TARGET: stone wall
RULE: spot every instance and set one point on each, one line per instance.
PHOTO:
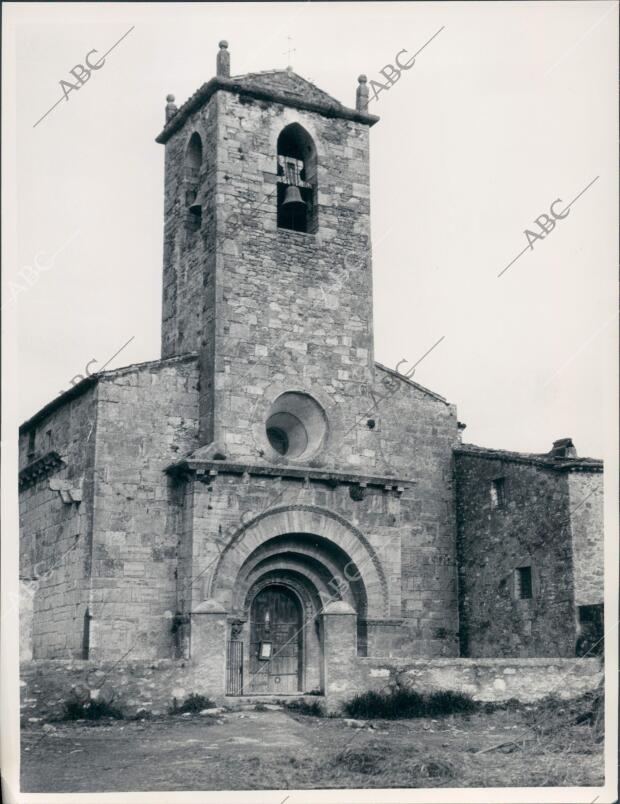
(148, 417)
(99, 530)
(134, 686)
(484, 679)
(532, 529)
(550, 520)
(56, 525)
(414, 435)
(151, 688)
(586, 503)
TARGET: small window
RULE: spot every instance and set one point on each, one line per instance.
(498, 495)
(31, 441)
(523, 583)
(86, 635)
(48, 439)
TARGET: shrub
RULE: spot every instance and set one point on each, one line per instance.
(302, 707)
(90, 710)
(405, 703)
(449, 703)
(193, 703)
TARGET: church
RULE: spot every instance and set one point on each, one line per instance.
(266, 503)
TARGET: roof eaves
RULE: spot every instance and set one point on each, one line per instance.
(543, 460)
(79, 388)
(411, 382)
(202, 95)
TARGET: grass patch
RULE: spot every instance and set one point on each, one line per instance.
(193, 703)
(405, 703)
(551, 713)
(431, 768)
(90, 710)
(369, 759)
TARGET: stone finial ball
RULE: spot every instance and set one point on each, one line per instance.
(362, 79)
(170, 98)
(223, 44)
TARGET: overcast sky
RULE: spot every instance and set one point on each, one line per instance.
(510, 107)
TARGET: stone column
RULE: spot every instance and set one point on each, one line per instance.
(339, 651)
(208, 643)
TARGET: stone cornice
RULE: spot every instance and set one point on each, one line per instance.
(202, 95)
(42, 467)
(206, 470)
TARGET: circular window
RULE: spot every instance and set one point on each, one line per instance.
(295, 425)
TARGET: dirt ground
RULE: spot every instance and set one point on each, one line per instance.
(253, 750)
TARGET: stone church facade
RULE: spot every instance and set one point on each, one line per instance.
(266, 501)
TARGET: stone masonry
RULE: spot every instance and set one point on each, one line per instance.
(267, 459)
(551, 520)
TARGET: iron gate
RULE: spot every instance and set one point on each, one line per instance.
(234, 673)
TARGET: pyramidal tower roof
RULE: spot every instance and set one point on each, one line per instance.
(277, 86)
(288, 83)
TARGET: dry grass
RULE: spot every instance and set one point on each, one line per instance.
(553, 744)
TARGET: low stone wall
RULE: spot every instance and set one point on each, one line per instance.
(152, 687)
(484, 679)
(134, 687)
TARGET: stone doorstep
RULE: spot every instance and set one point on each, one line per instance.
(237, 701)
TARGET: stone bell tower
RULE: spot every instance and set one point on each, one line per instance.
(267, 269)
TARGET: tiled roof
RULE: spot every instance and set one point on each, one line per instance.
(537, 459)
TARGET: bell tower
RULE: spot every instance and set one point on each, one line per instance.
(267, 264)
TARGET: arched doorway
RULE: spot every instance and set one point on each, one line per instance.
(276, 642)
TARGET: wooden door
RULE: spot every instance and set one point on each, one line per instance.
(275, 642)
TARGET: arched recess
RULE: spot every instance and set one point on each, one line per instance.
(191, 167)
(193, 156)
(297, 180)
(332, 541)
(309, 633)
(309, 557)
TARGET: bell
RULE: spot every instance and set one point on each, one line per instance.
(293, 199)
(195, 209)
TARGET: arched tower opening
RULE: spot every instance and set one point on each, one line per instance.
(192, 165)
(297, 180)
